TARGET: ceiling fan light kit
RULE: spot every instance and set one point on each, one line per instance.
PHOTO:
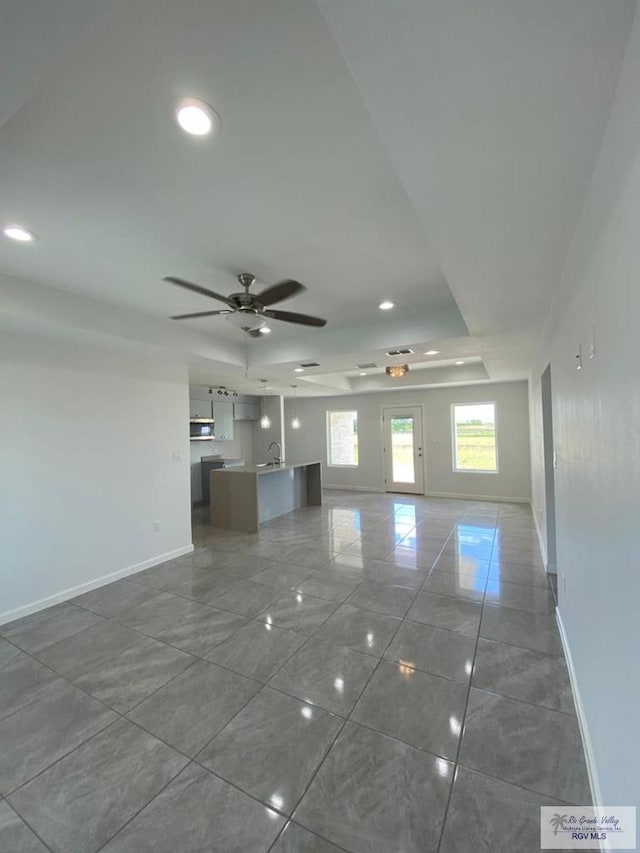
(248, 321)
(250, 311)
(396, 371)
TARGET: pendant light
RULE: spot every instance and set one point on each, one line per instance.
(295, 420)
(265, 420)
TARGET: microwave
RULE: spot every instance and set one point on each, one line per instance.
(201, 430)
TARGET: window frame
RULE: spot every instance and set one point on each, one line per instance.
(331, 464)
(454, 439)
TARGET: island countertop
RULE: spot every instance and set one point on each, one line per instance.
(243, 498)
(266, 469)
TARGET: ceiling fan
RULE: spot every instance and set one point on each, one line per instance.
(250, 311)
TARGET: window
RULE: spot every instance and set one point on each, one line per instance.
(342, 439)
(474, 438)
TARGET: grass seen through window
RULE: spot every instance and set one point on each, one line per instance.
(474, 437)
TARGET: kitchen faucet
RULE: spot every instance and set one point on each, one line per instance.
(276, 459)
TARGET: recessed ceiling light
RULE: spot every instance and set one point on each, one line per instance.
(298, 369)
(387, 305)
(196, 117)
(18, 233)
(432, 352)
(363, 373)
(265, 330)
(460, 362)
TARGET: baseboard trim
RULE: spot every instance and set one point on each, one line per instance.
(594, 783)
(333, 487)
(464, 497)
(71, 592)
(541, 541)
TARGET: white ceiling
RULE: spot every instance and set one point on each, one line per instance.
(432, 151)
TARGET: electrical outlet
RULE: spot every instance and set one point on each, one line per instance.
(156, 527)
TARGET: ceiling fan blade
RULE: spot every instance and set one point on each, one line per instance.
(200, 314)
(290, 317)
(255, 333)
(282, 290)
(197, 288)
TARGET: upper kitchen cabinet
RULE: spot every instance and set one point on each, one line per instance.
(199, 409)
(246, 411)
(223, 421)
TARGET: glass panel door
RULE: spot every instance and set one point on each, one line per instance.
(404, 462)
(402, 449)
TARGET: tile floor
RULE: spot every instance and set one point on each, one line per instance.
(379, 674)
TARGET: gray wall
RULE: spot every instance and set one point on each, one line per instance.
(596, 416)
(512, 482)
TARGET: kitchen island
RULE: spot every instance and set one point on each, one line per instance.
(243, 498)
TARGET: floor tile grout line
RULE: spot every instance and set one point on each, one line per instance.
(300, 826)
(340, 730)
(464, 721)
(62, 757)
(522, 701)
(26, 823)
(533, 791)
(147, 803)
(62, 678)
(462, 730)
(328, 752)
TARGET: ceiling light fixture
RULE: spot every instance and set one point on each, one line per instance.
(432, 352)
(396, 371)
(196, 117)
(363, 373)
(265, 420)
(248, 321)
(387, 305)
(295, 420)
(460, 362)
(265, 330)
(298, 369)
(18, 233)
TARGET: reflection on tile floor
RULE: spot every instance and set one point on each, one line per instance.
(382, 673)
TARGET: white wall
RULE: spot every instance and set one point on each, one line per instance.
(86, 461)
(511, 483)
(596, 415)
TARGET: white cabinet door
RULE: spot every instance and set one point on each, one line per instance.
(223, 421)
(246, 412)
(199, 409)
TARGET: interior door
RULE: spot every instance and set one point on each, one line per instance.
(403, 457)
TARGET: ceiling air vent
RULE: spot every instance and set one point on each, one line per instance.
(405, 351)
(368, 366)
(310, 364)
